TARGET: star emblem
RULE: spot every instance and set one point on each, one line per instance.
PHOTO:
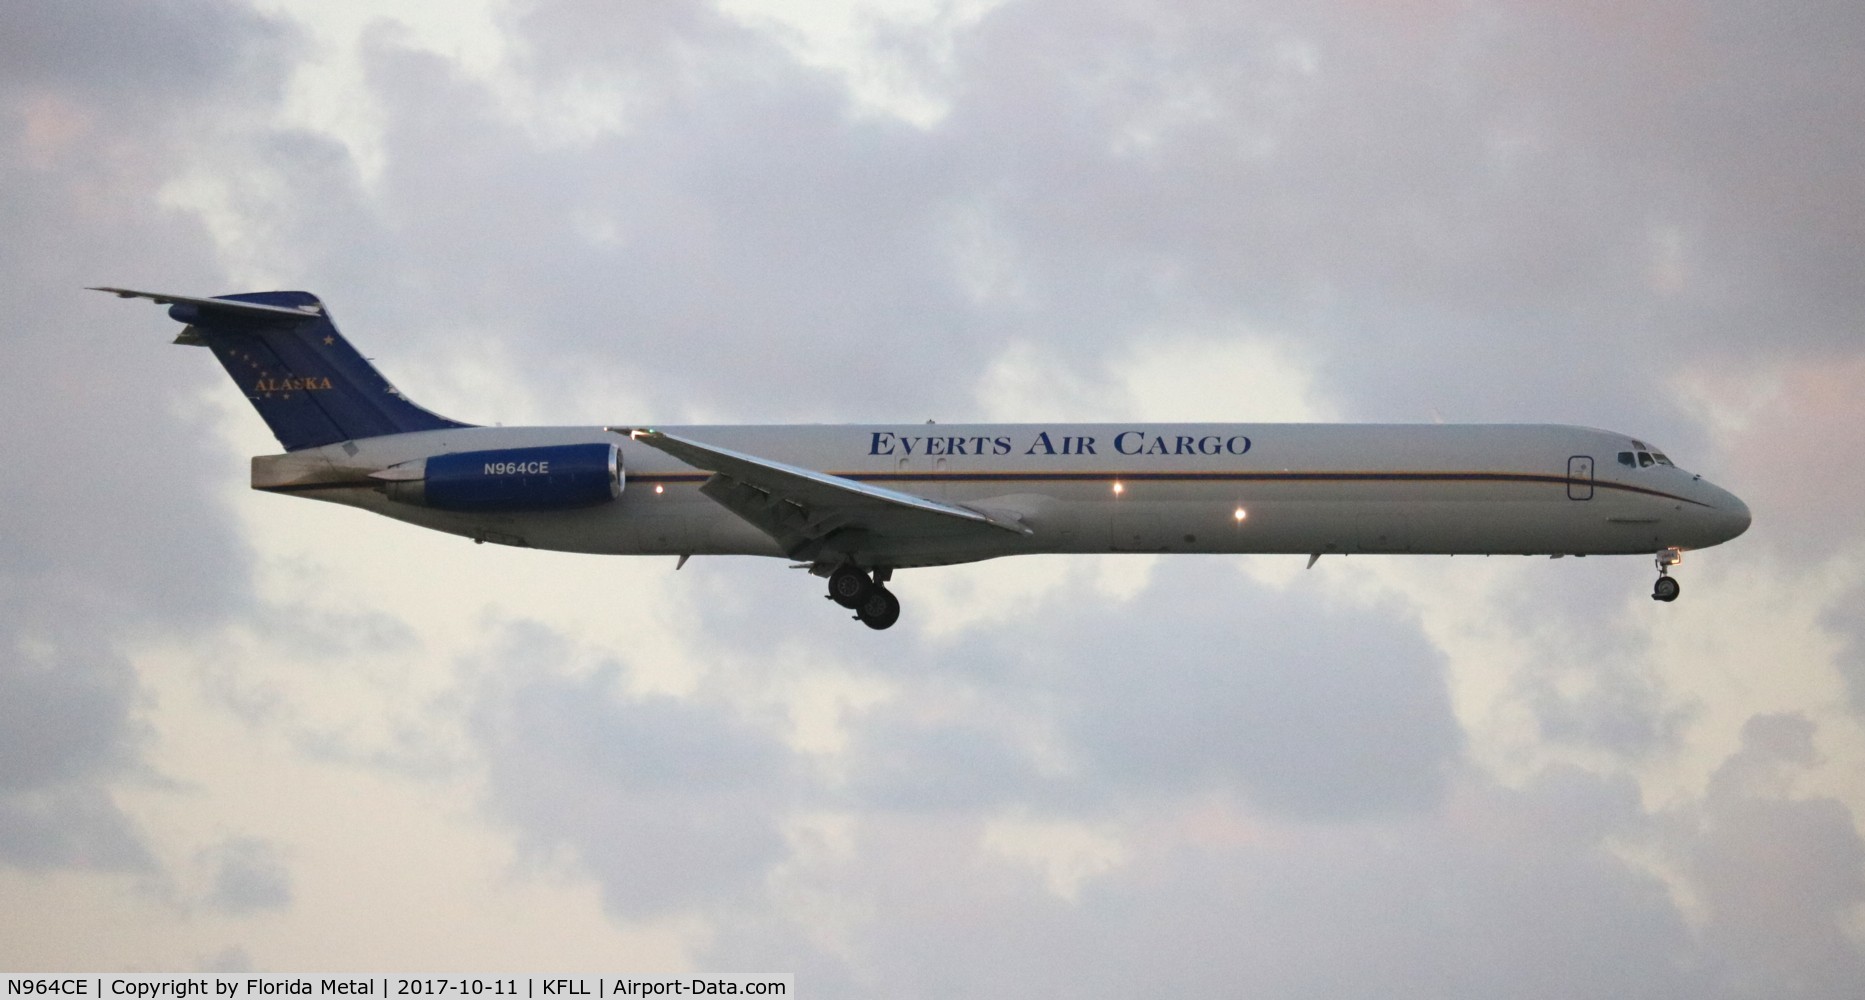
(329, 341)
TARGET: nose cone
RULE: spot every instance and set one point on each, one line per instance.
(1731, 514)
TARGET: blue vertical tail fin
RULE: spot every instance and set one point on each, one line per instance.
(307, 382)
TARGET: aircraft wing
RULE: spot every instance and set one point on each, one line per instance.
(802, 508)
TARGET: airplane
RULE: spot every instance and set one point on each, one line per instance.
(854, 503)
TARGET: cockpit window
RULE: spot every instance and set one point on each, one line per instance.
(1644, 459)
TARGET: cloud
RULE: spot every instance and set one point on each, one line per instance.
(666, 802)
(1536, 890)
(142, 55)
(67, 724)
(70, 827)
(1781, 874)
(1852, 659)
(66, 714)
(1304, 709)
(1497, 889)
(83, 149)
(248, 876)
(1311, 710)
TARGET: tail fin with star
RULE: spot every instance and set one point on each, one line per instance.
(307, 382)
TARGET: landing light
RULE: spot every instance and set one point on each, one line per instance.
(1240, 515)
(1119, 488)
(658, 488)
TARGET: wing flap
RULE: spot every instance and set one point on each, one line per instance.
(797, 531)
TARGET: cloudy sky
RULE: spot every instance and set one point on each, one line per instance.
(242, 731)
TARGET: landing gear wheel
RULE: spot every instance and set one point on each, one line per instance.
(849, 587)
(1666, 589)
(880, 610)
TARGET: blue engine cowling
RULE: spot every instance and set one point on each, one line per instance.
(558, 477)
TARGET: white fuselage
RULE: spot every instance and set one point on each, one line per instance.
(1214, 488)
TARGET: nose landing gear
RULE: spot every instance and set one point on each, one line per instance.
(1667, 589)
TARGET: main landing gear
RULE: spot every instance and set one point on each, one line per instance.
(1666, 589)
(874, 605)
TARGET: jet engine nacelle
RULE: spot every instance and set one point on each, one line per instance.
(560, 477)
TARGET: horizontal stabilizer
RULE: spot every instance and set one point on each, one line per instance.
(227, 307)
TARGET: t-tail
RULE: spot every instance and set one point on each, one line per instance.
(307, 382)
